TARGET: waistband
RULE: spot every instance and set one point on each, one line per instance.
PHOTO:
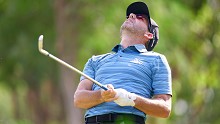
(115, 117)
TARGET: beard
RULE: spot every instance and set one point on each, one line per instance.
(132, 29)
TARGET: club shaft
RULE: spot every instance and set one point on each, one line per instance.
(74, 69)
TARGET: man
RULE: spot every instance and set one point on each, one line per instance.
(138, 80)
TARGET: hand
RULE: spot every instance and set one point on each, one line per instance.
(110, 94)
(124, 98)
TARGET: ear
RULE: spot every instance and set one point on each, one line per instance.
(148, 35)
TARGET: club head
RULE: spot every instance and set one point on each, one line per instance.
(40, 43)
(40, 46)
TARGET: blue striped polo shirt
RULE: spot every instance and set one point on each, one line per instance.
(134, 69)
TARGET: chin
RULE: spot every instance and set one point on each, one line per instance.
(127, 28)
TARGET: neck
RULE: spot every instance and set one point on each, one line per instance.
(129, 40)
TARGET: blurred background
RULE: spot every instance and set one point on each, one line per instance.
(35, 89)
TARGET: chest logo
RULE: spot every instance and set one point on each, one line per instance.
(137, 61)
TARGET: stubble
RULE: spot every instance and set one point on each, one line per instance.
(131, 28)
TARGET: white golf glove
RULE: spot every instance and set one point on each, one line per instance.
(125, 98)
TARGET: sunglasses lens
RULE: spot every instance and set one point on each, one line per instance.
(139, 17)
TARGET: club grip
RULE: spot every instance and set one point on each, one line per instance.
(104, 88)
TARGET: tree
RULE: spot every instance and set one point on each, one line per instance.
(67, 49)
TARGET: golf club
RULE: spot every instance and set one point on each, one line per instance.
(40, 48)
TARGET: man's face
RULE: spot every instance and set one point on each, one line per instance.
(135, 23)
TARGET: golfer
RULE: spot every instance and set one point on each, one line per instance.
(138, 79)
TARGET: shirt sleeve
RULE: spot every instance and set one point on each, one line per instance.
(88, 70)
(162, 82)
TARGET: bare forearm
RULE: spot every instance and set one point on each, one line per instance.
(87, 99)
(154, 107)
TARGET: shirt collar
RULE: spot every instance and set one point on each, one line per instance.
(139, 47)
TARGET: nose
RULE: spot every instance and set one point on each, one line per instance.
(132, 15)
